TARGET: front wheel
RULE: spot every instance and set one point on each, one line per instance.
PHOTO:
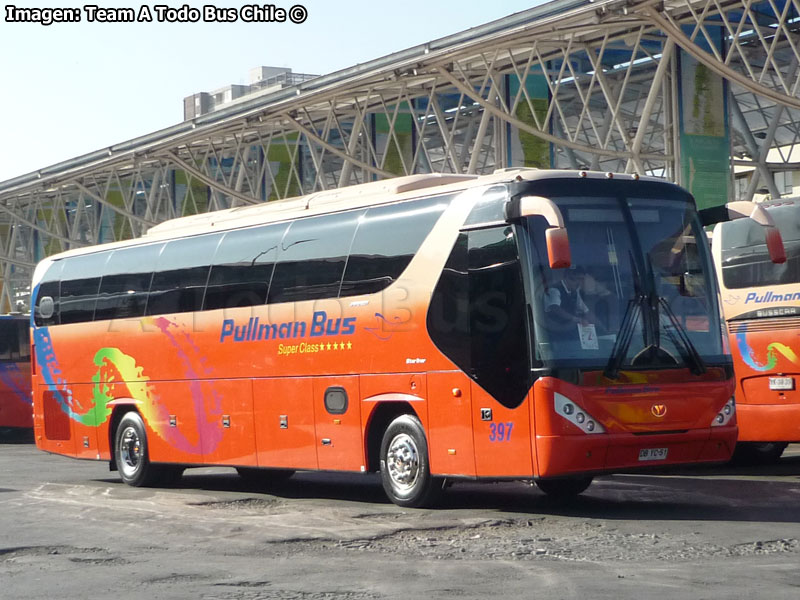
(130, 452)
(758, 453)
(564, 488)
(405, 470)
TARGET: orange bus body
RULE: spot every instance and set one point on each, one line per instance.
(314, 384)
(761, 304)
(16, 407)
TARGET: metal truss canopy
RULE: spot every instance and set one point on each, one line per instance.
(571, 83)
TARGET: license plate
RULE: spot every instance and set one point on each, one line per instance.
(653, 454)
(781, 383)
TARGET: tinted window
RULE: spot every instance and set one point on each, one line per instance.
(312, 257)
(477, 313)
(80, 281)
(179, 281)
(14, 343)
(386, 240)
(497, 316)
(243, 266)
(48, 288)
(126, 282)
(448, 314)
(490, 208)
(745, 259)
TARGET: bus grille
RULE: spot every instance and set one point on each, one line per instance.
(56, 421)
(764, 324)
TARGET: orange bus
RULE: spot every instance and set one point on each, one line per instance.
(761, 303)
(16, 410)
(525, 325)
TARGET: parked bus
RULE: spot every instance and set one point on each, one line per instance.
(16, 407)
(761, 303)
(532, 325)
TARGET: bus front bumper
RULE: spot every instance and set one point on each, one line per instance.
(557, 456)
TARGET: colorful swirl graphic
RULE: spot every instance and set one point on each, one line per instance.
(119, 376)
(773, 350)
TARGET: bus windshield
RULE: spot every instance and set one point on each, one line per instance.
(640, 293)
(745, 260)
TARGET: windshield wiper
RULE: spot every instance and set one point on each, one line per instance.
(628, 325)
(623, 341)
(686, 348)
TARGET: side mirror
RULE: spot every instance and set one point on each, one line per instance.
(46, 307)
(558, 253)
(772, 236)
(558, 247)
(777, 253)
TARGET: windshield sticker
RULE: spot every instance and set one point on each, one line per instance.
(588, 337)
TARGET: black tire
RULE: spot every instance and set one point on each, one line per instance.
(405, 468)
(564, 488)
(758, 453)
(257, 476)
(131, 453)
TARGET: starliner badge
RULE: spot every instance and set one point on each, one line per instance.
(658, 410)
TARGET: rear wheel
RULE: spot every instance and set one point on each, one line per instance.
(131, 453)
(405, 470)
(758, 453)
(564, 487)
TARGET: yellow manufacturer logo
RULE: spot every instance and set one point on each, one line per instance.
(658, 410)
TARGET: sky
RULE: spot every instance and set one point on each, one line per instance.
(71, 88)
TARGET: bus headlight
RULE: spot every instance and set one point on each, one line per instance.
(726, 414)
(576, 415)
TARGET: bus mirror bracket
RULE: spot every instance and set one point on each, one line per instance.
(558, 252)
(756, 212)
(46, 307)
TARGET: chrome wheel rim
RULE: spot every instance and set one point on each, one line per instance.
(402, 462)
(130, 451)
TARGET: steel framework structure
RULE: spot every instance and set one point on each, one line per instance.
(572, 83)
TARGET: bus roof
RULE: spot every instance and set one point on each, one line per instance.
(387, 191)
(781, 202)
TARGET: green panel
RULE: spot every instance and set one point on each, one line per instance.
(195, 200)
(705, 142)
(706, 168)
(402, 124)
(282, 154)
(526, 149)
(535, 150)
(398, 147)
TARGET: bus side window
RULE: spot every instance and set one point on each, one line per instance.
(179, 281)
(49, 288)
(386, 240)
(9, 342)
(448, 314)
(80, 282)
(126, 282)
(477, 313)
(242, 267)
(23, 337)
(497, 315)
(312, 257)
